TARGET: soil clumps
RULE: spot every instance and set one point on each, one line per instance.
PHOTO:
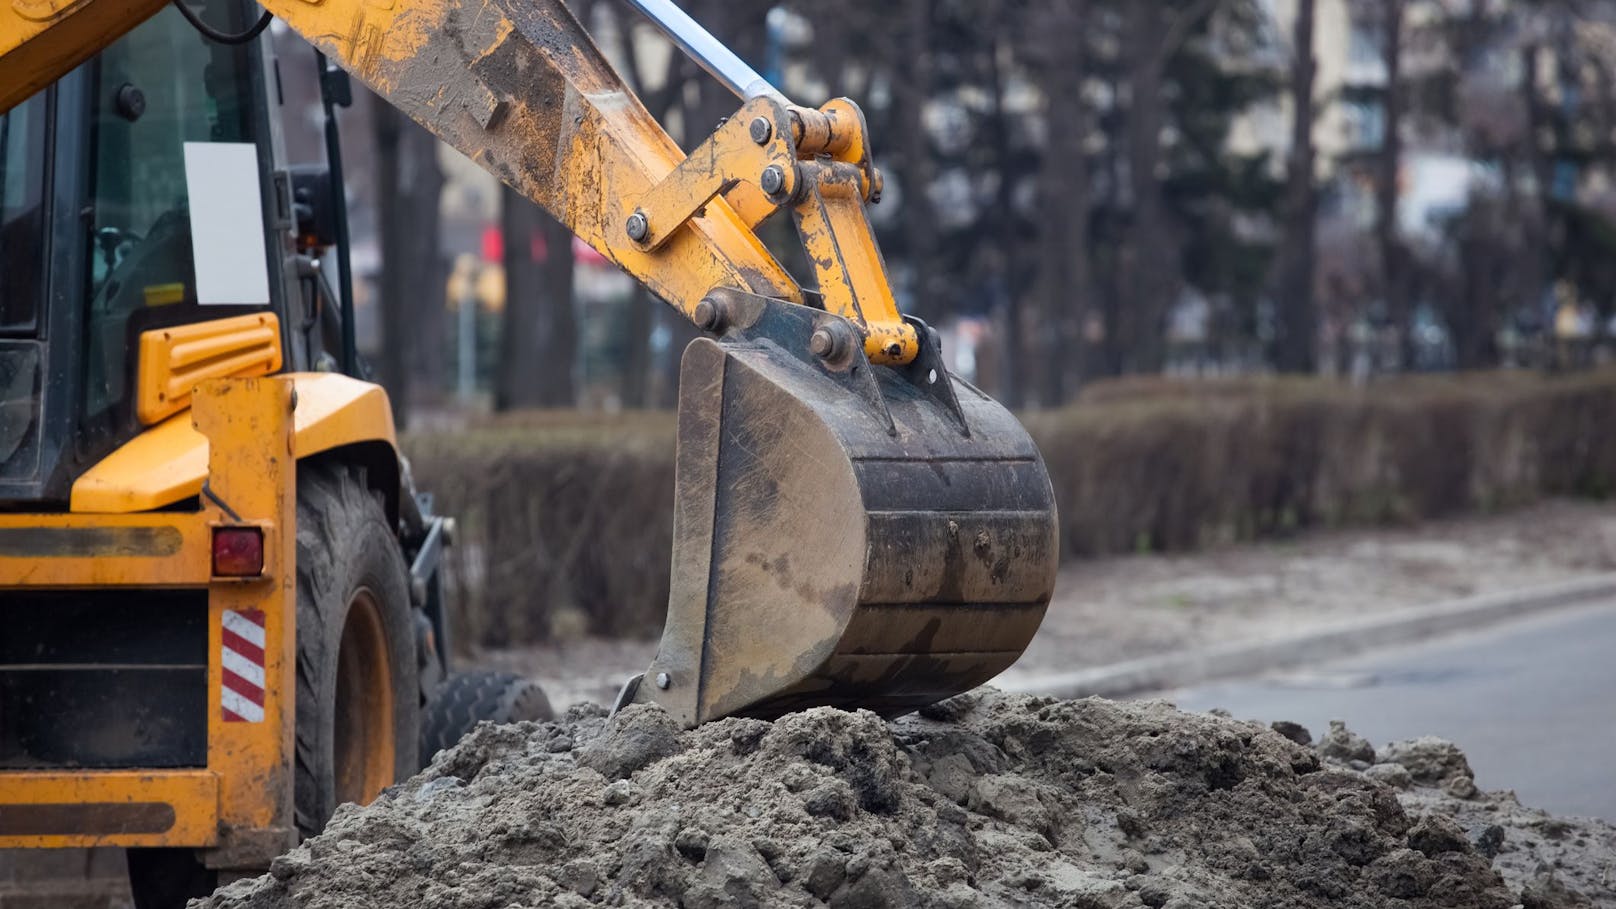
(984, 800)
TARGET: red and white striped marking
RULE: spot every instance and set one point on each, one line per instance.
(241, 693)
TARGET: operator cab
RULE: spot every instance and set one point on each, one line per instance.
(142, 191)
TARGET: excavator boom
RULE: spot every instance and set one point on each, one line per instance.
(854, 526)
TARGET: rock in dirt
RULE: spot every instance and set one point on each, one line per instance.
(637, 737)
(1344, 745)
(1552, 862)
(988, 800)
(1428, 759)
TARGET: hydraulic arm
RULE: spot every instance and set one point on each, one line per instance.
(853, 525)
(521, 89)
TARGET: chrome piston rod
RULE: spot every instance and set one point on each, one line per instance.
(706, 50)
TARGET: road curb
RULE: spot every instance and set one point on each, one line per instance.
(1177, 670)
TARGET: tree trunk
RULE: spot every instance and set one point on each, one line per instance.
(1004, 230)
(555, 290)
(1393, 259)
(1298, 339)
(1063, 180)
(412, 277)
(911, 89)
(1150, 253)
(539, 337)
(523, 335)
(638, 321)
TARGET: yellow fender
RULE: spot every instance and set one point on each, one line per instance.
(168, 462)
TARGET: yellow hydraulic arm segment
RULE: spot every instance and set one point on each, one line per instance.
(520, 88)
(853, 525)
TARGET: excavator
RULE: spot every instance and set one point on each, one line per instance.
(219, 586)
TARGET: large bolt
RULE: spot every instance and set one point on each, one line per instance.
(638, 227)
(663, 680)
(773, 179)
(830, 341)
(709, 315)
(823, 343)
(761, 129)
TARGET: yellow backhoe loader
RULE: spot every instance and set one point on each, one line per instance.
(219, 609)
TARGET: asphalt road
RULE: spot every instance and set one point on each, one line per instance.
(1532, 703)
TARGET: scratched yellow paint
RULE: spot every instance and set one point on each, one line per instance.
(247, 784)
(582, 147)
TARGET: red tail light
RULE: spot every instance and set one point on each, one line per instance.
(238, 552)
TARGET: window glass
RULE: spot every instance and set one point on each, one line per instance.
(22, 216)
(159, 87)
(22, 269)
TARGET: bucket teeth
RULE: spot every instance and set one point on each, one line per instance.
(844, 535)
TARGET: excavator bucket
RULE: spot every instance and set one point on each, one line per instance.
(844, 534)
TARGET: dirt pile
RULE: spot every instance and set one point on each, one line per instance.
(985, 800)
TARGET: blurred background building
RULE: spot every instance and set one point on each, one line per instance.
(1075, 189)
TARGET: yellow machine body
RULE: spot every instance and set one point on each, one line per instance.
(238, 803)
(854, 526)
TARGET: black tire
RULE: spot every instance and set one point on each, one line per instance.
(467, 698)
(167, 878)
(353, 604)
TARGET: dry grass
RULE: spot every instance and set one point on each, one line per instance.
(566, 518)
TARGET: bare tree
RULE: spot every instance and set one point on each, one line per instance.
(410, 285)
(912, 66)
(1149, 267)
(1394, 260)
(538, 349)
(1003, 223)
(1062, 288)
(518, 377)
(1298, 314)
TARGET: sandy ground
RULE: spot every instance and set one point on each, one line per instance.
(1108, 610)
(983, 801)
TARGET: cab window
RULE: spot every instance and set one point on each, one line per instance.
(161, 86)
(22, 216)
(22, 270)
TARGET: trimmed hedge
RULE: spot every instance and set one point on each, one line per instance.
(566, 525)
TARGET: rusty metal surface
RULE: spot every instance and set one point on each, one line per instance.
(521, 89)
(842, 536)
(40, 40)
(728, 158)
(86, 818)
(67, 550)
(89, 542)
(247, 783)
(191, 798)
(251, 466)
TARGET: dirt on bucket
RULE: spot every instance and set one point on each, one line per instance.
(985, 800)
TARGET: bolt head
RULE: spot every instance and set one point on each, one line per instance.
(761, 130)
(822, 343)
(773, 179)
(663, 680)
(638, 227)
(708, 315)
